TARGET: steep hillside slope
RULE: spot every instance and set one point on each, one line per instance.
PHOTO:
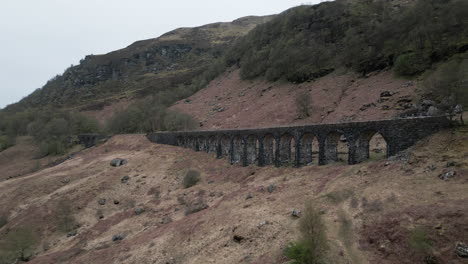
(230, 102)
(145, 67)
(370, 209)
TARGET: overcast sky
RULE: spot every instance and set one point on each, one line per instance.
(40, 38)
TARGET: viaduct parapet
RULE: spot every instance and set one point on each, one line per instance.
(293, 145)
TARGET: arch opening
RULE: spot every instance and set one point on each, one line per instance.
(371, 145)
(251, 150)
(212, 144)
(269, 149)
(224, 147)
(237, 150)
(306, 149)
(286, 150)
(336, 148)
(180, 141)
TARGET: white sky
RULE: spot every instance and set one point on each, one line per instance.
(40, 38)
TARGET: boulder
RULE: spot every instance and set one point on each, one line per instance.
(118, 162)
(386, 94)
(462, 250)
(124, 179)
(139, 210)
(102, 201)
(447, 175)
(433, 111)
(271, 188)
(296, 213)
(118, 237)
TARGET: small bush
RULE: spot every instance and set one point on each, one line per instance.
(313, 244)
(419, 240)
(195, 207)
(191, 178)
(339, 196)
(19, 244)
(411, 64)
(3, 220)
(6, 142)
(66, 222)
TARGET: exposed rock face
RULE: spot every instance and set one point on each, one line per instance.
(145, 65)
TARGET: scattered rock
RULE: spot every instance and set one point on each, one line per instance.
(408, 84)
(219, 109)
(165, 220)
(249, 196)
(447, 175)
(364, 107)
(450, 164)
(386, 94)
(434, 111)
(296, 213)
(66, 181)
(118, 162)
(125, 179)
(431, 167)
(263, 223)
(72, 233)
(139, 210)
(430, 260)
(102, 201)
(118, 237)
(271, 188)
(462, 250)
(238, 239)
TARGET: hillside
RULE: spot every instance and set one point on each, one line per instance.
(370, 209)
(143, 68)
(333, 62)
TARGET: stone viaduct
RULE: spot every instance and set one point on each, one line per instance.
(293, 145)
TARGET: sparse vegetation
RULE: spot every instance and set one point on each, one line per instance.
(18, 244)
(313, 244)
(150, 115)
(3, 220)
(195, 207)
(52, 129)
(303, 104)
(449, 79)
(66, 222)
(191, 178)
(337, 197)
(419, 240)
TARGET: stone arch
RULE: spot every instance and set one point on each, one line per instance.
(286, 149)
(306, 148)
(201, 143)
(191, 143)
(180, 141)
(224, 146)
(237, 151)
(371, 144)
(251, 149)
(212, 144)
(336, 147)
(269, 149)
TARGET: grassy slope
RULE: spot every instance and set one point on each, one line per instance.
(369, 208)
